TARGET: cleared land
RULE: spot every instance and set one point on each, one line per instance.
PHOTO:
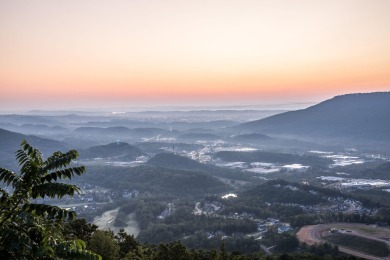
(366, 241)
(107, 219)
(362, 244)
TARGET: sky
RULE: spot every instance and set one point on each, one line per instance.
(94, 53)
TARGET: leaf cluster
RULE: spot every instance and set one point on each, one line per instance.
(32, 230)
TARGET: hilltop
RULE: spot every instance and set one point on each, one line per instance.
(10, 142)
(119, 150)
(355, 118)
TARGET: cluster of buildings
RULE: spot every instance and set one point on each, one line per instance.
(211, 208)
(350, 206)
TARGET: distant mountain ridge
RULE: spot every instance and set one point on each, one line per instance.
(251, 137)
(355, 117)
(119, 150)
(198, 136)
(10, 143)
(121, 131)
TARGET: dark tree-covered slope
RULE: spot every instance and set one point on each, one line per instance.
(356, 117)
(119, 150)
(178, 162)
(157, 181)
(9, 140)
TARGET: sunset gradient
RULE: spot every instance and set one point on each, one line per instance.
(131, 52)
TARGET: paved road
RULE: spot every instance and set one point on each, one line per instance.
(312, 235)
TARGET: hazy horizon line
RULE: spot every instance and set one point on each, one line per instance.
(165, 108)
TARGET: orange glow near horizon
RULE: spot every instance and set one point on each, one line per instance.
(174, 51)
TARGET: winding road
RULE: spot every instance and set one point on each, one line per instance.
(312, 234)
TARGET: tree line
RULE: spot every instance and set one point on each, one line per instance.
(30, 230)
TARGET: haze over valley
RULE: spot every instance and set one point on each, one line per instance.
(195, 130)
(146, 169)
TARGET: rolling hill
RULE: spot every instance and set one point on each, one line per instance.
(156, 181)
(357, 118)
(158, 147)
(182, 163)
(10, 143)
(120, 151)
(121, 131)
(251, 137)
(118, 130)
(174, 161)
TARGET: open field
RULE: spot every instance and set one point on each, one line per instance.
(366, 241)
